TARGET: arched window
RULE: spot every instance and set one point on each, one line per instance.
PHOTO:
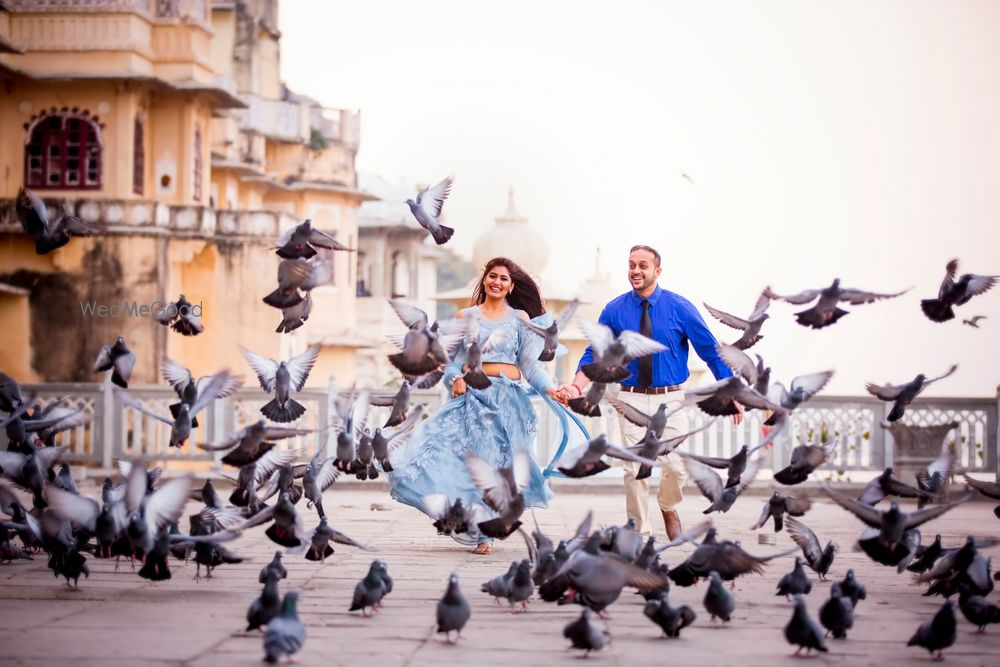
(197, 163)
(138, 157)
(400, 275)
(63, 152)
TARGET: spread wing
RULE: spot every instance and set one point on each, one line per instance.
(321, 239)
(803, 536)
(177, 376)
(636, 345)
(739, 362)
(432, 199)
(797, 299)
(566, 316)
(726, 318)
(763, 302)
(708, 481)
(812, 383)
(264, 367)
(857, 297)
(599, 336)
(299, 366)
(632, 414)
(866, 513)
(213, 390)
(136, 404)
(166, 504)
(489, 480)
(941, 377)
(949, 278)
(887, 392)
(979, 284)
(411, 316)
(495, 340)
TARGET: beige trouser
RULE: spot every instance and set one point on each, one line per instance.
(673, 474)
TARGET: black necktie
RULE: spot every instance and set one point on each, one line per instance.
(646, 363)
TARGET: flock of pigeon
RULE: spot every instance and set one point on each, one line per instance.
(138, 516)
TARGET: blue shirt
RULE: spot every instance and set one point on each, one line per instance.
(675, 322)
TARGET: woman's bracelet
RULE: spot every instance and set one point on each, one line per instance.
(579, 390)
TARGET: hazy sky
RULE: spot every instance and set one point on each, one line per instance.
(822, 139)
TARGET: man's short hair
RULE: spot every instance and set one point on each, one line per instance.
(647, 249)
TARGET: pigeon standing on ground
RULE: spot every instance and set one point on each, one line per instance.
(276, 566)
(285, 634)
(750, 326)
(837, 613)
(938, 633)
(901, 395)
(182, 316)
(586, 634)
(802, 631)
(777, 506)
(550, 334)
(453, 610)
(852, 588)
(118, 359)
(427, 210)
(719, 603)
(795, 582)
(499, 586)
(670, 619)
(34, 218)
(825, 311)
(521, 587)
(301, 241)
(819, 558)
(368, 592)
(977, 609)
(281, 379)
(268, 605)
(955, 293)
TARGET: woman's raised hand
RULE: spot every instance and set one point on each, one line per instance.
(458, 387)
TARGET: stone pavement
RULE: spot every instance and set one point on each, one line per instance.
(119, 619)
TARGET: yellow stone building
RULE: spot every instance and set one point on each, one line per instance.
(167, 124)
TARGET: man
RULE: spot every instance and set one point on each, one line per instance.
(673, 321)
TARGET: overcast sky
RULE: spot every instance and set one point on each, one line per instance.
(822, 139)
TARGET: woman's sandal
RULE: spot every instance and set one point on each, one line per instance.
(483, 549)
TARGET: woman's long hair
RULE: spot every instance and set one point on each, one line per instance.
(525, 296)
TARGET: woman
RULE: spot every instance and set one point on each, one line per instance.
(491, 423)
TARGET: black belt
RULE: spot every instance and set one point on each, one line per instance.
(651, 390)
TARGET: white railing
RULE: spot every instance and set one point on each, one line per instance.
(287, 121)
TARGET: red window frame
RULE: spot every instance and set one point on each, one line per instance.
(63, 152)
(138, 157)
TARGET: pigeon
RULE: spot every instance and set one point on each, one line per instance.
(425, 348)
(934, 477)
(281, 379)
(988, 489)
(182, 316)
(368, 592)
(795, 582)
(319, 476)
(777, 506)
(710, 484)
(802, 631)
(719, 603)
(938, 633)
(550, 334)
(520, 586)
(734, 465)
(901, 395)
(250, 443)
(804, 460)
(297, 278)
(721, 398)
(654, 423)
(427, 210)
(449, 518)
(589, 404)
(885, 485)
(587, 459)
(69, 565)
(268, 605)
(34, 218)
(899, 554)
(750, 326)
(627, 541)
(474, 375)
(670, 619)
(802, 389)
(105, 521)
(453, 610)
(10, 393)
(187, 388)
(400, 400)
(351, 412)
(387, 440)
(276, 566)
(927, 556)
(152, 513)
(301, 241)
(586, 634)
(285, 633)
(964, 564)
(30, 471)
(891, 523)
(725, 557)
(819, 559)
(955, 293)
(837, 613)
(293, 317)
(825, 311)
(977, 609)
(499, 586)
(650, 448)
(502, 492)
(180, 426)
(53, 420)
(316, 542)
(259, 480)
(118, 359)
(853, 589)
(613, 353)
(974, 322)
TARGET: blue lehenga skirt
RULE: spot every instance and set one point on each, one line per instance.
(491, 423)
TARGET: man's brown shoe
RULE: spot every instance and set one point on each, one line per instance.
(672, 523)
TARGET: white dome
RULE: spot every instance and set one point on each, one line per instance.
(511, 237)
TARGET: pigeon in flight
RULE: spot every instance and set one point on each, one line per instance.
(589, 405)
(974, 322)
(710, 484)
(282, 378)
(988, 489)
(298, 277)
(183, 382)
(250, 443)
(502, 491)
(118, 359)
(34, 219)
(427, 210)
(586, 460)
(886, 485)
(777, 506)
(550, 334)
(818, 558)
(720, 398)
(901, 395)
(613, 353)
(803, 388)
(825, 311)
(804, 460)
(295, 316)
(448, 517)
(750, 326)
(301, 241)
(654, 423)
(955, 293)
(181, 316)
(425, 348)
